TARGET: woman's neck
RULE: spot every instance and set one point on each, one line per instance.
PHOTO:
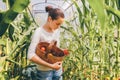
(47, 28)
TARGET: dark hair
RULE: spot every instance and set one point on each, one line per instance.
(54, 13)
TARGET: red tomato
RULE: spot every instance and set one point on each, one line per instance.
(43, 48)
(65, 51)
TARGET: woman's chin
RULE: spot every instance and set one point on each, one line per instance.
(53, 30)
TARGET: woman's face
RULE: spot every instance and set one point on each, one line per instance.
(55, 24)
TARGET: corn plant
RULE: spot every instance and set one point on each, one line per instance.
(15, 32)
(93, 41)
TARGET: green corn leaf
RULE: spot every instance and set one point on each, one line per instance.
(4, 0)
(27, 19)
(118, 4)
(11, 14)
(20, 5)
(11, 2)
(2, 42)
(3, 28)
(11, 31)
(97, 5)
(113, 11)
(78, 9)
(2, 15)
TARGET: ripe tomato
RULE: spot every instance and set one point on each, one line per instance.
(65, 51)
(43, 48)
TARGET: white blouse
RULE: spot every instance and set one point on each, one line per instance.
(40, 35)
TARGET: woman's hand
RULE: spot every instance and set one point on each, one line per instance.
(57, 65)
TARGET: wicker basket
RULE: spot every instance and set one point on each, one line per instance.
(50, 55)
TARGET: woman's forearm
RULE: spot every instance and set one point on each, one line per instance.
(39, 61)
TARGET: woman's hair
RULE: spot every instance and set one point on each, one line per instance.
(54, 13)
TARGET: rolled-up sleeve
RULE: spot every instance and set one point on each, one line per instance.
(34, 41)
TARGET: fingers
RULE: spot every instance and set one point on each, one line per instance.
(57, 65)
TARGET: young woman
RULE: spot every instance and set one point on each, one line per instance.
(47, 33)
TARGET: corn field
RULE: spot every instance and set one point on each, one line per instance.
(92, 37)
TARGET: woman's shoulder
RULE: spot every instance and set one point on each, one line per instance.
(38, 29)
